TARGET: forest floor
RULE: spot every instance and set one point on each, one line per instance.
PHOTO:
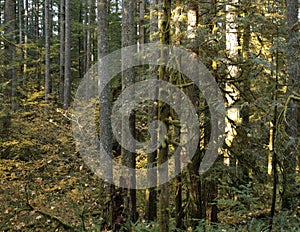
(61, 194)
(45, 185)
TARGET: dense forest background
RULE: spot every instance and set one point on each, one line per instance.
(251, 48)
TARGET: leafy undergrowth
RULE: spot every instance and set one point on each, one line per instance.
(49, 194)
(59, 193)
(44, 182)
(45, 185)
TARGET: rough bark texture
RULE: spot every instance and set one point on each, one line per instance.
(163, 113)
(105, 102)
(128, 78)
(179, 214)
(151, 194)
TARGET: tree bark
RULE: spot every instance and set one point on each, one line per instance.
(231, 91)
(25, 36)
(128, 79)
(67, 73)
(163, 113)
(105, 101)
(20, 14)
(9, 28)
(62, 50)
(178, 180)
(151, 193)
(102, 25)
(47, 55)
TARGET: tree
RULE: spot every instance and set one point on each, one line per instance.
(9, 17)
(47, 55)
(88, 37)
(178, 179)
(128, 158)
(232, 55)
(105, 101)
(67, 60)
(196, 190)
(62, 50)
(163, 113)
(20, 19)
(151, 205)
(289, 163)
(25, 35)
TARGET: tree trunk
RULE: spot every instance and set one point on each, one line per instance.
(128, 78)
(35, 15)
(80, 42)
(231, 91)
(151, 205)
(20, 12)
(47, 55)
(289, 163)
(25, 36)
(178, 180)
(88, 38)
(245, 112)
(62, 51)
(67, 76)
(272, 143)
(9, 20)
(197, 192)
(163, 113)
(105, 101)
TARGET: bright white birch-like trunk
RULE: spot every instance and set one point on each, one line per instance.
(232, 55)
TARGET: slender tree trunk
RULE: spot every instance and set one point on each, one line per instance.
(128, 78)
(105, 101)
(20, 14)
(25, 36)
(67, 75)
(9, 19)
(36, 20)
(163, 113)
(80, 42)
(214, 175)
(62, 51)
(151, 195)
(178, 180)
(88, 38)
(245, 111)
(289, 163)
(196, 189)
(272, 145)
(47, 55)
(231, 91)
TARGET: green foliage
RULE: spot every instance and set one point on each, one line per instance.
(45, 185)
